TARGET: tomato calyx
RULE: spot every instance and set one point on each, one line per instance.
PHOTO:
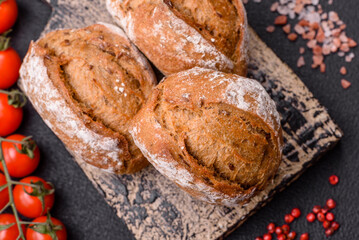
(48, 228)
(39, 191)
(16, 98)
(4, 227)
(4, 40)
(27, 147)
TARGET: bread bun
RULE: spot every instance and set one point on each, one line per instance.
(87, 84)
(177, 35)
(216, 135)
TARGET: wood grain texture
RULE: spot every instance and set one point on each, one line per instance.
(155, 208)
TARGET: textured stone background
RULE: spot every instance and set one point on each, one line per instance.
(87, 216)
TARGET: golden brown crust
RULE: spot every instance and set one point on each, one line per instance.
(98, 81)
(177, 35)
(216, 135)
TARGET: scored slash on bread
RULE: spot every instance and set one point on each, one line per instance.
(177, 35)
(87, 84)
(216, 135)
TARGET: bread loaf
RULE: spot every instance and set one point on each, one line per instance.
(177, 35)
(216, 135)
(87, 84)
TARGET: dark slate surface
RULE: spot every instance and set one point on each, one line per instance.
(86, 214)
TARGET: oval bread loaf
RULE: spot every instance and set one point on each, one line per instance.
(87, 84)
(216, 135)
(177, 35)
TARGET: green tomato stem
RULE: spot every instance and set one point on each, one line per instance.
(6, 206)
(24, 184)
(11, 197)
(29, 223)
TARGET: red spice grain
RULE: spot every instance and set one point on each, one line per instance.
(300, 62)
(316, 209)
(292, 235)
(345, 84)
(281, 20)
(343, 70)
(267, 236)
(352, 43)
(292, 37)
(271, 228)
(296, 212)
(330, 216)
(321, 217)
(285, 229)
(281, 237)
(325, 209)
(270, 29)
(335, 226)
(278, 230)
(288, 218)
(317, 50)
(322, 67)
(333, 179)
(329, 232)
(311, 217)
(331, 203)
(326, 224)
(286, 28)
(258, 238)
(304, 236)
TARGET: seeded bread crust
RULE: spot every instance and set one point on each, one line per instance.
(87, 84)
(216, 135)
(177, 35)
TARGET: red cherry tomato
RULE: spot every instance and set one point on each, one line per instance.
(10, 117)
(33, 235)
(4, 194)
(18, 164)
(31, 206)
(8, 15)
(10, 63)
(11, 233)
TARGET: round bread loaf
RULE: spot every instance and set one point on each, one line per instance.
(87, 84)
(177, 35)
(216, 135)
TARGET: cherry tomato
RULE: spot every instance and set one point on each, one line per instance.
(10, 117)
(33, 235)
(4, 194)
(11, 233)
(8, 14)
(19, 164)
(10, 63)
(31, 206)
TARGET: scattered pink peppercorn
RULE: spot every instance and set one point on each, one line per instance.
(311, 217)
(329, 216)
(288, 218)
(321, 217)
(271, 227)
(259, 238)
(304, 236)
(333, 180)
(329, 232)
(326, 224)
(316, 209)
(278, 230)
(335, 226)
(292, 235)
(281, 237)
(267, 236)
(285, 229)
(331, 203)
(325, 210)
(296, 212)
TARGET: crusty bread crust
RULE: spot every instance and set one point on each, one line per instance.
(176, 131)
(172, 42)
(84, 136)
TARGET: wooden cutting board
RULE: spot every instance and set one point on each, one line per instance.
(153, 207)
